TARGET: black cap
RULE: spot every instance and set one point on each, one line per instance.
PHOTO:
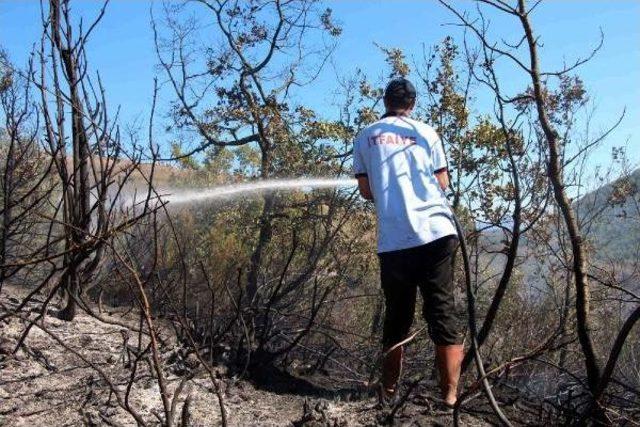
(400, 90)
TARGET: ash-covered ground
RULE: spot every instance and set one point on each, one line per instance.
(65, 374)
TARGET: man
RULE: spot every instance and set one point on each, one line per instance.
(400, 165)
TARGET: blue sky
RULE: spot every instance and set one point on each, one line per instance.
(122, 49)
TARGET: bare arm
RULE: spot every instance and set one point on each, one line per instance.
(443, 179)
(363, 186)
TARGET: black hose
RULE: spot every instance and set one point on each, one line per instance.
(471, 310)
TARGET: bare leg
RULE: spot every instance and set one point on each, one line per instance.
(391, 369)
(449, 359)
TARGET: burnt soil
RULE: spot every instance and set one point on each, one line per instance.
(46, 384)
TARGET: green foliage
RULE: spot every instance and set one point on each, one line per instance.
(6, 72)
(247, 161)
(447, 111)
(328, 24)
(187, 162)
(396, 61)
(218, 160)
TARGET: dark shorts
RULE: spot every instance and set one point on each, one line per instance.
(428, 268)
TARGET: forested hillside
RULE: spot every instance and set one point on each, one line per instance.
(616, 230)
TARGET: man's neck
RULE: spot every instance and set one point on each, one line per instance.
(400, 113)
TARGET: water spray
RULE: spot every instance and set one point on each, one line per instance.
(232, 191)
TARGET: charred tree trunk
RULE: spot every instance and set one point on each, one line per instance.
(79, 203)
(7, 191)
(264, 236)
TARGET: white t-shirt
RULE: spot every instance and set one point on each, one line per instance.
(400, 157)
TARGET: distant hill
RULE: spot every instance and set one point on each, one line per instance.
(615, 233)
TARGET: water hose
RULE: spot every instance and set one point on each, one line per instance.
(471, 313)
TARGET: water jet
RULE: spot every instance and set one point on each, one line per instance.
(231, 191)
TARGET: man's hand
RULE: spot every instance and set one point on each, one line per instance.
(363, 186)
(443, 179)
